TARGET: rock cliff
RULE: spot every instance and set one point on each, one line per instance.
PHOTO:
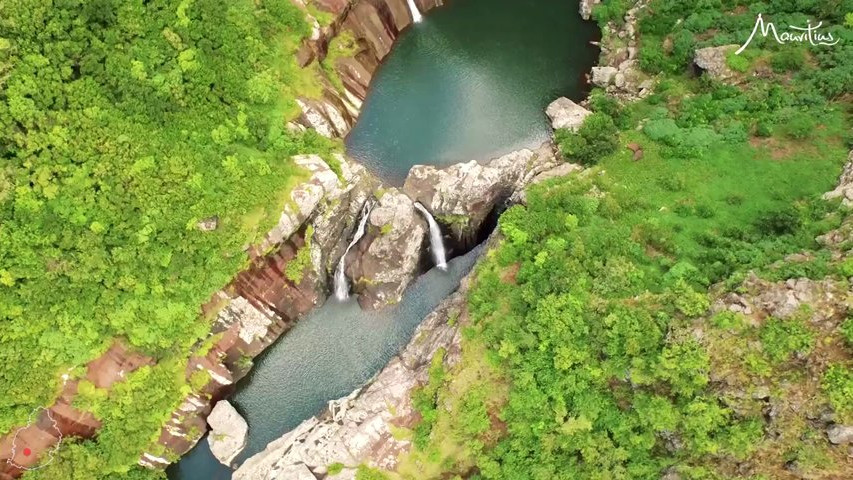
(358, 428)
(370, 28)
(288, 277)
(462, 196)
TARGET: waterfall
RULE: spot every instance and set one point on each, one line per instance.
(416, 14)
(435, 241)
(341, 284)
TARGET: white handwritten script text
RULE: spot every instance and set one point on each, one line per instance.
(809, 34)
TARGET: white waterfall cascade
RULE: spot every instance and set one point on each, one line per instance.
(435, 241)
(341, 284)
(416, 14)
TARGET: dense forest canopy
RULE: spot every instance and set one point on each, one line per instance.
(122, 125)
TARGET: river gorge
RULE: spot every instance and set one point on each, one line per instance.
(469, 81)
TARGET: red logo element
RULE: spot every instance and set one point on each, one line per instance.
(27, 451)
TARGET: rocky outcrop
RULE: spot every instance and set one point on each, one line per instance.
(840, 434)
(358, 428)
(844, 191)
(463, 195)
(389, 255)
(712, 61)
(617, 71)
(585, 8)
(567, 114)
(228, 431)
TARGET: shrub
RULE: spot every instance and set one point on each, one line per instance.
(764, 128)
(596, 138)
(782, 338)
(838, 385)
(738, 63)
(799, 126)
(847, 331)
(610, 11)
(788, 59)
(780, 222)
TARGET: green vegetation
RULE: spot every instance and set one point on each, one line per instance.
(296, 268)
(122, 125)
(596, 137)
(783, 338)
(335, 468)
(591, 325)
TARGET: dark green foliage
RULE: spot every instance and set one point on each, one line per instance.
(788, 59)
(595, 138)
(847, 331)
(780, 222)
(783, 338)
(838, 385)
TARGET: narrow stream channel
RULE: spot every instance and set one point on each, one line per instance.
(330, 353)
(471, 81)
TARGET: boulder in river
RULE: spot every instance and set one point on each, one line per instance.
(228, 432)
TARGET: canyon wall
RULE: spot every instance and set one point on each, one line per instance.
(287, 278)
(370, 28)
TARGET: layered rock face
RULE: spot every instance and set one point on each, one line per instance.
(388, 257)
(463, 195)
(267, 299)
(373, 25)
